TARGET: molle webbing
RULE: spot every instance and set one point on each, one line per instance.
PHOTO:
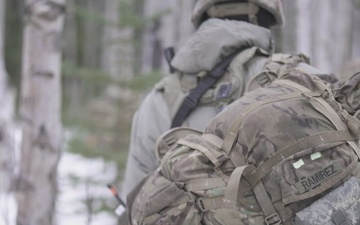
(232, 134)
(235, 190)
(253, 176)
(324, 108)
(276, 66)
(312, 141)
(192, 100)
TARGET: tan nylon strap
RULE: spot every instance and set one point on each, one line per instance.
(204, 184)
(205, 204)
(180, 201)
(331, 114)
(320, 86)
(323, 107)
(212, 155)
(355, 148)
(353, 122)
(275, 67)
(232, 134)
(236, 158)
(265, 203)
(308, 142)
(356, 171)
(235, 189)
(213, 139)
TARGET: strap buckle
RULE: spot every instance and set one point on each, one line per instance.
(273, 219)
(200, 205)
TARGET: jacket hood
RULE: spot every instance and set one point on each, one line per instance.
(217, 38)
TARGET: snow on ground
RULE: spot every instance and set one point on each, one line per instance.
(8, 205)
(8, 209)
(80, 178)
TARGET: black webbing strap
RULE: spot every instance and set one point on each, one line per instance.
(192, 99)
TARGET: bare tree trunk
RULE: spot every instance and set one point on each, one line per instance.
(322, 40)
(356, 34)
(304, 27)
(111, 39)
(118, 43)
(172, 29)
(40, 109)
(152, 48)
(6, 114)
(342, 33)
(325, 32)
(286, 37)
(92, 39)
(72, 85)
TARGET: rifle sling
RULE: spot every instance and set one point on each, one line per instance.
(192, 99)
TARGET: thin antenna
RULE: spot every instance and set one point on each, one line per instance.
(116, 194)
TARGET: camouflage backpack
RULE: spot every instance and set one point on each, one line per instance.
(283, 154)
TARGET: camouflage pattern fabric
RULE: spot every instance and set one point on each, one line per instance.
(345, 198)
(195, 175)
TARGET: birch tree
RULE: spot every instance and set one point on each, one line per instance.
(343, 33)
(325, 31)
(356, 33)
(40, 111)
(118, 42)
(6, 115)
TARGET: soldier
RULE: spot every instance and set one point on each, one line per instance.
(234, 37)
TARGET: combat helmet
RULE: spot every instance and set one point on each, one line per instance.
(226, 8)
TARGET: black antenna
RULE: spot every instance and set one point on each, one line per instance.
(169, 54)
(116, 194)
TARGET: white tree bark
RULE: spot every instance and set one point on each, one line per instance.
(40, 109)
(7, 98)
(322, 41)
(342, 33)
(356, 34)
(304, 27)
(325, 32)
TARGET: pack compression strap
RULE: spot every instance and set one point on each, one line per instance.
(192, 99)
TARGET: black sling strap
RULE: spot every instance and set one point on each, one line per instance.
(192, 99)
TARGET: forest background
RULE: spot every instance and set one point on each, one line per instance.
(111, 57)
